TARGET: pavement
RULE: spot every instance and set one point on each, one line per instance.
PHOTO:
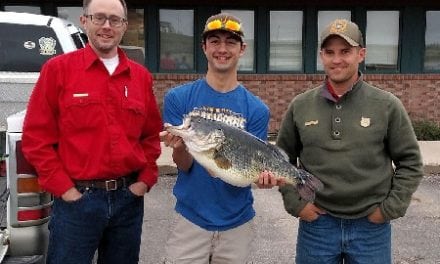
(415, 237)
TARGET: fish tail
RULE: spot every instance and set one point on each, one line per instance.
(308, 186)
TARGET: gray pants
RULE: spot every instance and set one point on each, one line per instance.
(190, 244)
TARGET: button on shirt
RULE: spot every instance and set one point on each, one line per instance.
(83, 123)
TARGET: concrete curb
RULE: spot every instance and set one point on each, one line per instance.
(430, 152)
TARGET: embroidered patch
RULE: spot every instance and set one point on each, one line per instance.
(311, 123)
(365, 121)
(80, 94)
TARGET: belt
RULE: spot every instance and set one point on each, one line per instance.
(108, 185)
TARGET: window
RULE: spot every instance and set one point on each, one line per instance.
(325, 18)
(246, 62)
(133, 41)
(70, 13)
(26, 48)
(432, 41)
(382, 40)
(176, 40)
(285, 47)
(23, 9)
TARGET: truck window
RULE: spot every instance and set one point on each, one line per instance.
(26, 48)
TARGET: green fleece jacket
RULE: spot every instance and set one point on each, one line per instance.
(351, 146)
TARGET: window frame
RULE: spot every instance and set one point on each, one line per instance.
(267, 42)
(412, 27)
(194, 49)
(424, 70)
(399, 43)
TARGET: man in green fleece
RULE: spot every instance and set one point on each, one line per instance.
(349, 134)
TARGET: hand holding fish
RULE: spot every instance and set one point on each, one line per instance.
(181, 156)
(267, 180)
(171, 140)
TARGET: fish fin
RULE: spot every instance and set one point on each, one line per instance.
(222, 115)
(221, 161)
(307, 189)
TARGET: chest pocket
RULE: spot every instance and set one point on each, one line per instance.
(84, 112)
(133, 117)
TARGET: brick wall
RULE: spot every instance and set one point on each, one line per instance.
(420, 93)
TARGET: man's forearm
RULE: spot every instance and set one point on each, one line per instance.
(182, 158)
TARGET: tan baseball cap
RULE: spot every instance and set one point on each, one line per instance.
(344, 29)
(224, 22)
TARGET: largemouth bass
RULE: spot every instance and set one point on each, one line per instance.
(217, 140)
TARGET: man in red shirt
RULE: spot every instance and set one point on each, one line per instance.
(92, 133)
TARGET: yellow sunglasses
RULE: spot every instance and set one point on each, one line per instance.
(228, 24)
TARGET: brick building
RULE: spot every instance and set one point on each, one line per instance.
(402, 40)
(420, 93)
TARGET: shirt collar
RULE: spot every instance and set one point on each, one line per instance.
(329, 93)
(331, 90)
(90, 58)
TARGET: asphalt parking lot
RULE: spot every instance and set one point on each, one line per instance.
(416, 237)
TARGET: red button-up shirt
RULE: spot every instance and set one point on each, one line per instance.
(83, 123)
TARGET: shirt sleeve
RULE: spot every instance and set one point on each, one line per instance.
(172, 110)
(259, 123)
(40, 132)
(404, 151)
(288, 140)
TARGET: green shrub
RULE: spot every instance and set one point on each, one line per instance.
(426, 130)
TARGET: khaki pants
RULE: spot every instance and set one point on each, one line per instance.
(190, 244)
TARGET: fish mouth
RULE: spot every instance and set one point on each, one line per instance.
(181, 130)
(196, 141)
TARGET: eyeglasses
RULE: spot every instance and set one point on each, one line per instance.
(100, 19)
(228, 24)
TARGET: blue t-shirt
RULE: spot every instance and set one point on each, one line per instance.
(202, 199)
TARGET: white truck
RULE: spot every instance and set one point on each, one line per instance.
(26, 42)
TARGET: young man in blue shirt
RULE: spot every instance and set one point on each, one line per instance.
(214, 222)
